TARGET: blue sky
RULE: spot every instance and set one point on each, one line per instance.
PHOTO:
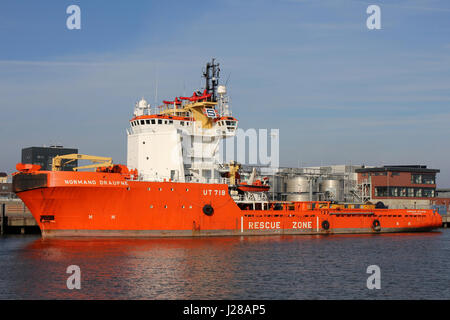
(338, 92)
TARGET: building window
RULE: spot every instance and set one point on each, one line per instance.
(428, 179)
(403, 192)
(393, 192)
(423, 179)
(381, 192)
(416, 179)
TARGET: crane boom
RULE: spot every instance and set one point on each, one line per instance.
(96, 160)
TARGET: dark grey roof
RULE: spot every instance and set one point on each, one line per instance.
(403, 168)
(3, 174)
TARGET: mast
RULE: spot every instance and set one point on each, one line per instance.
(211, 75)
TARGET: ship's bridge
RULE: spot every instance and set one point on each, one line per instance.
(179, 140)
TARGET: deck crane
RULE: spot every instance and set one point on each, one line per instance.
(97, 161)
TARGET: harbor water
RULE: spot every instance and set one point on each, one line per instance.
(412, 266)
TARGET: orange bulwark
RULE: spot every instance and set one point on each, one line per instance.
(109, 204)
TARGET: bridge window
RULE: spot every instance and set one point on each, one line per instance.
(159, 121)
(147, 121)
(153, 121)
(142, 122)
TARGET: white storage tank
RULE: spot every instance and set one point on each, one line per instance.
(298, 189)
(332, 189)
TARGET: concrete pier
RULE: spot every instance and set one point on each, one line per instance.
(446, 220)
(16, 218)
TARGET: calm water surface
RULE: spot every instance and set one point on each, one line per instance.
(413, 266)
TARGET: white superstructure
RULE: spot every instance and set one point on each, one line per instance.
(179, 141)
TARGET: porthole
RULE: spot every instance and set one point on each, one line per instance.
(148, 189)
(151, 206)
(171, 189)
(160, 189)
(187, 189)
(165, 206)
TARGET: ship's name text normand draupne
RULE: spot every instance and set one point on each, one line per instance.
(94, 182)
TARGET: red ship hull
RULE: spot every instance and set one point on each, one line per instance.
(98, 204)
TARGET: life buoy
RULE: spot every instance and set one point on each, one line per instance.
(376, 225)
(380, 205)
(208, 210)
(325, 225)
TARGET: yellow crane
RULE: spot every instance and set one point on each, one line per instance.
(97, 161)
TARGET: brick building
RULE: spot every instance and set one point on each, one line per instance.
(442, 201)
(406, 186)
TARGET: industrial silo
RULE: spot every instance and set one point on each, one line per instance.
(332, 189)
(300, 188)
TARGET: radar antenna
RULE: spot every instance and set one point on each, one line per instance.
(211, 74)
